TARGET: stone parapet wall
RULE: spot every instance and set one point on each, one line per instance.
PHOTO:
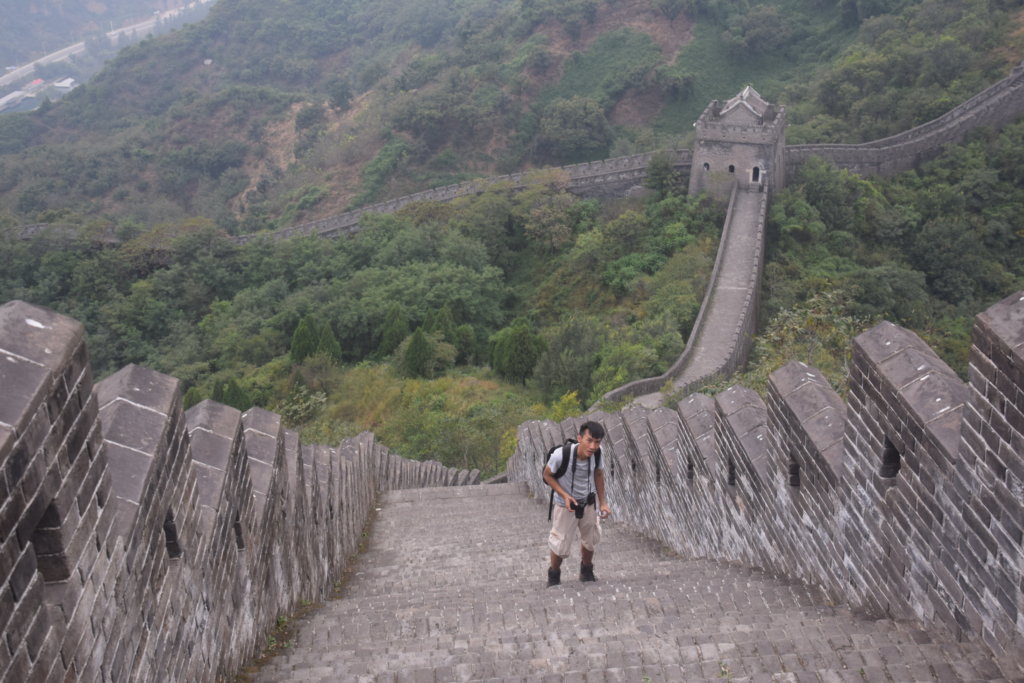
(749, 256)
(904, 500)
(604, 178)
(764, 134)
(142, 542)
(996, 106)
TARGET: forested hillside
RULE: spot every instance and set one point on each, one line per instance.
(445, 325)
(267, 113)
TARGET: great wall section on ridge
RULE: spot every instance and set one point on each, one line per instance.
(140, 541)
(755, 150)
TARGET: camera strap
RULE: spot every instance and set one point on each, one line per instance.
(572, 483)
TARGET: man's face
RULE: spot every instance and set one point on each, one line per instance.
(588, 446)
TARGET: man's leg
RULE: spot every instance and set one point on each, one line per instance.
(590, 534)
(556, 562)
(560, 540)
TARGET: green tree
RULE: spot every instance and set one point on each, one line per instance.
(441, 322)
(425, 354)
(662, 177)
(417, 359)
(573, 130)
(395, 330)
(327, 344)
(193, 396)
(571, 353)
(312, 337)
(760, 29)
(309, 116)
(339, 93)
(515, 351)
(230, 393)
(550, 223)
(305, 340)
(467, 342)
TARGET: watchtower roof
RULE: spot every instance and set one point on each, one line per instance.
(747, 110)
(748, 99)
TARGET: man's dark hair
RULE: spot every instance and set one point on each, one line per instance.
(595, 429)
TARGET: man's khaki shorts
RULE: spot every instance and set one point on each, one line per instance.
(563, 530)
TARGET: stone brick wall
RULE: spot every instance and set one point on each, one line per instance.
(142, 542)
(595, 179)
(740, 253)
(996, 106)
(905, 500)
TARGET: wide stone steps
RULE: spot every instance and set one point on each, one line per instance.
(452, 588)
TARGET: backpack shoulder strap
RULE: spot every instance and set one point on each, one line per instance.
(562, 467)
(566, 456)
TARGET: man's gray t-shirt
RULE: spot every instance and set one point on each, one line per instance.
(580, 486)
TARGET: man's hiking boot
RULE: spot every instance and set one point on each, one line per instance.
(554, 576)
(587, 572)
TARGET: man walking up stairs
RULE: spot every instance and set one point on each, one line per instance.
(451, 588)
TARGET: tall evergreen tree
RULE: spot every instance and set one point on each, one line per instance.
(515, 351)
(468, 345)
(418, 358)
(328, 344)
(442, 322)
(394, 332)
(231, 393)
(305, 339)
(311, 337)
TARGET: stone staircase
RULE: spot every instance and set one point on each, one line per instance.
(451, 587)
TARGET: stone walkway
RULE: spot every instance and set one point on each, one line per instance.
(452, 588)
(730, 301)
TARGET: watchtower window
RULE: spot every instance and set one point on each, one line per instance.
(756, 174)
(689, 469)
(731, 480)
(171, 537)
(732, 168)
(707, 166)
(891, 461)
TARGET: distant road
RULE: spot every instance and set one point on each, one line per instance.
(26, 70)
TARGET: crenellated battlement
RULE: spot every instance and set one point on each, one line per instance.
(905, 500)
(140, 541)
(143, 542)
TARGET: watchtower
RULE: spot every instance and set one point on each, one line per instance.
(739, 141)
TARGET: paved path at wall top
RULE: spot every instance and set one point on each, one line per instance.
(452, 588)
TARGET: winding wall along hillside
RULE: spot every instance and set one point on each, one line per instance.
(722, 334)
(996, 106)
(724, 329)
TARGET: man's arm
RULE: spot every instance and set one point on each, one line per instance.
(599, 483)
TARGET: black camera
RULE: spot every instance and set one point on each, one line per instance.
(578, 508)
